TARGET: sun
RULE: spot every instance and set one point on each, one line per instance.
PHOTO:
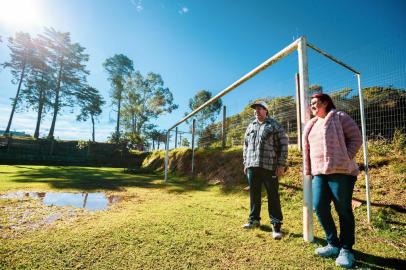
(19, 12)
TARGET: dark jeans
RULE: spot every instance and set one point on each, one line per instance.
(257, 177)
(337, 188)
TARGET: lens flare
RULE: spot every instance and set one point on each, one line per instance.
(19, 13)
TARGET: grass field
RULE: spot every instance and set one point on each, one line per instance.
(181, 224)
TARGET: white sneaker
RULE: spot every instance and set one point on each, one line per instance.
(327, 251)
(345, 259)
(276, 231)
(252, 224)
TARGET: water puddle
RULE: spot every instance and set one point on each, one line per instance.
(90, 201)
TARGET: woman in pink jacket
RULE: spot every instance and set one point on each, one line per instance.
(331, 141)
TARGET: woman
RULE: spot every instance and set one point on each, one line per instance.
(331, 141)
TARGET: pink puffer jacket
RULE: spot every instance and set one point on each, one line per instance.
(341, 142)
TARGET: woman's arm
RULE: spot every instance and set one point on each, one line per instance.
(353, 139)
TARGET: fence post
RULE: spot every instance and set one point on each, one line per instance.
(193, 146)
(223, 128)
(365, 147)
(298, 115)
(308, 235)
(176, 137)
(166, 155)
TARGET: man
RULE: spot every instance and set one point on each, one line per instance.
(265, 154)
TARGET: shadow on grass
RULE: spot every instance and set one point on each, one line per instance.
(370, 261)
(395, 207)
(364, 260)
(84, 178)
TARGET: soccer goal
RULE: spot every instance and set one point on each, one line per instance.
(303, 115)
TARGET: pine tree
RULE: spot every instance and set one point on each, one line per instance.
(21, 48)
(90, 102)
(68, 60)
(118, 67)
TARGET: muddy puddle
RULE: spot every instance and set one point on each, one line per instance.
(91, 201)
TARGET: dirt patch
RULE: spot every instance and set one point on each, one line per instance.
(21, 216)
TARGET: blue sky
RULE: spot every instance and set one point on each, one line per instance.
(208, 45)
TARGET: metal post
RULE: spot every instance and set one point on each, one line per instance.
(193, 146)
(298, 114)
(223, 129)
(308, 235)
(176, 137)
(166, 155)
(365, 146)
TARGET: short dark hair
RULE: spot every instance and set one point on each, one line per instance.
(324, 98)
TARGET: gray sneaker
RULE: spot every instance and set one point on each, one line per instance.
(252, 224)
(345, 259)
(327, 251)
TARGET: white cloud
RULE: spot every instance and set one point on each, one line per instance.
(183, 10)
(138, 5)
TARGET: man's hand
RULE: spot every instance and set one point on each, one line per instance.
(245, 171)
(279, 171)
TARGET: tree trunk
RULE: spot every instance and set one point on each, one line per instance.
(118, 119)
(93, 127)
(56, 105)
(15, 100)
(39, 115)
(133, 123)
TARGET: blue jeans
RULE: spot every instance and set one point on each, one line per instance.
(339, 189)
(256, 177)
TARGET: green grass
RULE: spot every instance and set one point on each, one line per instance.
(176, 225)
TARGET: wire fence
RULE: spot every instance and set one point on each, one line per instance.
(383, 82)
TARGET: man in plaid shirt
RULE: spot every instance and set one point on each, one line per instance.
(265, 154)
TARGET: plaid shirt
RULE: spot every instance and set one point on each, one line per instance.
(265, 145)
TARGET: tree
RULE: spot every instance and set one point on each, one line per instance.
(118, 68)
(21, 48)
(154, 136)
(208, 114)
(145, 99)
(185, 142)
(162, 137)
(37, 93)
(67, 59)
(90, 102)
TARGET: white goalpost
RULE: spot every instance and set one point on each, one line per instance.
(301, 46)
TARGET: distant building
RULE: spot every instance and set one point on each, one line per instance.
(15, 133)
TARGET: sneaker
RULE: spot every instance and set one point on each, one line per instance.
(252, 224)
(345, 259)
(327, 251)
(276, 231)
